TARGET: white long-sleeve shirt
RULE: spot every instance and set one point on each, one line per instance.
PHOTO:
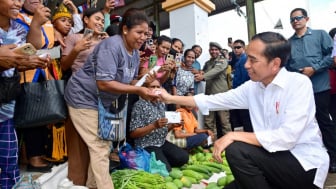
(78, 24)
(282, 115)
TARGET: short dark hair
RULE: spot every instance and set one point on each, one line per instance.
(133, 17)
(303, 11)
(332, 33)
(240, 41)
(88, 13)
(196, 46)
(276, 46)
(187, 51)
(177, 39)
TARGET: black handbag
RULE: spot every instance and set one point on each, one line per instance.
(9, 87)
(40, 103)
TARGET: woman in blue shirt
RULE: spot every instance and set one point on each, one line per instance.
(116, 61)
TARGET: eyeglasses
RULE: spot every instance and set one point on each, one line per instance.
(298, 18)
(237, 47)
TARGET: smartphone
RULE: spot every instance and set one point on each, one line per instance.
(25, 49)
(152, 61)
(170, 57)
(52, 5)
(178, 59)
(150, 42)
(87, 31)
(147, 53)
(229, 40)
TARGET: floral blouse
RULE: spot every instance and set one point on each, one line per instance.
(143, 113)
(184, 81)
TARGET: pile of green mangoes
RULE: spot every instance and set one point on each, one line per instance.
(201, 166)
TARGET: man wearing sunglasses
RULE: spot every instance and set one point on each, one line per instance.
(240, 117)
(311, 55)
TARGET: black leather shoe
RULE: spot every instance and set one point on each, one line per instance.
(332, 167)
(44, 169)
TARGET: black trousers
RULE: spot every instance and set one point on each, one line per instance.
(327, 127)
(170, 154)
(241, 117)
(332, 107)
(255, 168)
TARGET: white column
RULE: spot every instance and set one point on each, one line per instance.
(189, 22)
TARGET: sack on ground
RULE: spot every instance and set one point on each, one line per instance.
(26, 182)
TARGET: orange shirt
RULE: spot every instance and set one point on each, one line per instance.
(190, 122)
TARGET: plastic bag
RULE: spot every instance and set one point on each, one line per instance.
(26, 182)
(134, 158)
(157, 166)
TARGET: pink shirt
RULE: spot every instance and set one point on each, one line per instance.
(70, 43)
(160, 62)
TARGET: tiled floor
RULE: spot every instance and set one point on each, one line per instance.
(331, 181)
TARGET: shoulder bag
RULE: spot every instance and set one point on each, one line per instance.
(9, 87)
(40, 103)
(111, 123)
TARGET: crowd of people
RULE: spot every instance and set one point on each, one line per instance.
(268, 104)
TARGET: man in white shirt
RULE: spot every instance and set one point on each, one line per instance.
(285, 150)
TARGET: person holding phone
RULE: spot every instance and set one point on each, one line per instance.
(78, 46)
(12, 34)
(35, 18)
(184, 78)
(162, 50)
